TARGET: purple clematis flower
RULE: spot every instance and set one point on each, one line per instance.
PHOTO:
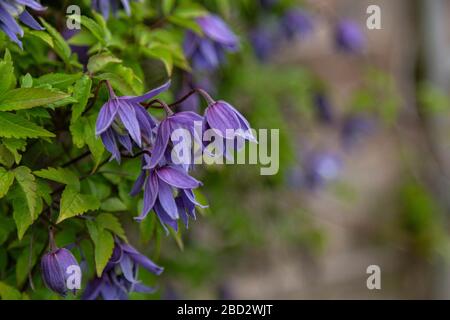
(220, 116)
(159, 185)
(120, 275)
(55, 269)
(207, 52)
(349, 37)
(10, 9)
(124, 120)
(296, 22)
(181, 120)
(106, 6)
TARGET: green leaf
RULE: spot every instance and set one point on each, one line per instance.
(112, 223)
(94, 143)
(60, 46)
(25, 263)
(57, 80)
(22, 214)
(14, 146)
(6, 157)
(44, 191)
(74, 203)
(118, 83)
(61, 175)
(25, 98)
(14, 126)
(26, 81)
(82, 91)
(99, 61)
(113, 205)
(7, 80)
(98, 31)
(27, 182)
(167, 6)
(103, 243)
(9, 293)
(6, 180)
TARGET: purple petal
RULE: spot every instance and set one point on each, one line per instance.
(26, 18)
(215, 28)
(142, 260)
(220, 117)
(139, 287)
(32, 4)
(128, 117)
(164, 218)
(209, 52)
(125, 141)
(149, 94)
(162, 139)
(126, 264)
(150, 194)
(109, 141)
(138, 184)
(182, 211)
(52, 273)
(165, 197)
(177, 178)
(106, 116)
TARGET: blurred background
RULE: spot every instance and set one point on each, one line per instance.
(364, 158)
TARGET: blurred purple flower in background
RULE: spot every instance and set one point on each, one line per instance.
(349, 37)
(207, 52)
(81, 51)
(120, 275)
(320, 168)
(354, 129)
(10, 10)
(106, 6)
(323, 108)
(296, 23)
(54, 267)
(264, 41)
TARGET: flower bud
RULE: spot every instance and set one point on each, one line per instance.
(60, 271)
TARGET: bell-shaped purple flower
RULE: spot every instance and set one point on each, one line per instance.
(106, 6)
(57, 266)
(159, 186)
(120, 275)
(296, 22)
(220, 116)
(207, 52)
(123, 120)
(10, 9)
(181, 120)
(349, 37)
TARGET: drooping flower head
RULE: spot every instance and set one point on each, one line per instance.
(123, 120)
(296, 22)
(207, 52)
(106, 6)
(56, 266)
(10, 10)
(221, 117)
(349, 37)
(159, 185)
(119, 277)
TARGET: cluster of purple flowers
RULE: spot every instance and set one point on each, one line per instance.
(299, 23)
(123, 123)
